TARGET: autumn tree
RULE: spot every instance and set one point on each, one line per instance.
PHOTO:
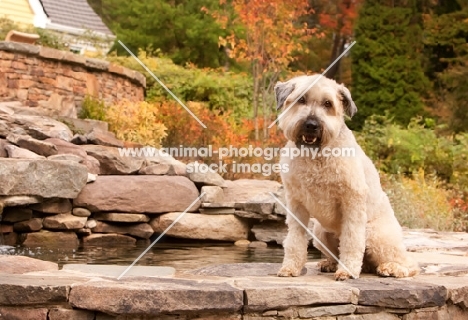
(387, 69)
(337, 18)
(269, 35)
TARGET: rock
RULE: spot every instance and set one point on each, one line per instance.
(90, 224)
(39, 127)
(48, 179)
(67, 314)
(65, 147)
(270, 231)
(53, 206)
(258, 244)
(257, 216)
(66, 157)
(390, 293)
(103, 138)
(262, 203)
(140, 230)
(6, 228)
(260, 296)
(79, 139)
(242, 243)
(91, 177)
(201, 226)
(241, 270)
(20, 153)
(159, 157)
(30, 225)
(10, 239)
(81, 212)
(64, 222)
(3, 152)
(213, 194)
(139, 194)
(323, 311)
(156, 297)
(84, 126)
(121, 217)
(16, 214)
(39, 147)
(19, 264)
(244, 189)
(158, 169)
(111, 162)
(108, 239)
(203, 177)
(49, 239)
(13, 201)
(217, 210)
(92, 164)
(15, 313)
(83, 232)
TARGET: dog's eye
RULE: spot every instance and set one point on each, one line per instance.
(301, 100)
(327, 104)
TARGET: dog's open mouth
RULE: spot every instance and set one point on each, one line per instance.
(309, 138)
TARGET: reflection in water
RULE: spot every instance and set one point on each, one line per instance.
(180, 255)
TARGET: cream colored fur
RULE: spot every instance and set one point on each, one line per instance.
(354, 218)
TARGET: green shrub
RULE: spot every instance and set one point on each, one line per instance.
(221, 91)
(93, 108)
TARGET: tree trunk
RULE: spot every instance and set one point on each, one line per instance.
(337, 49)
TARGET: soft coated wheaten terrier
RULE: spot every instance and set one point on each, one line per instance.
(354, 218)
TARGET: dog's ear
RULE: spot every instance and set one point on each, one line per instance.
(349, 106)
(282, 91)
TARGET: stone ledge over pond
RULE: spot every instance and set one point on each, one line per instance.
(248, 291)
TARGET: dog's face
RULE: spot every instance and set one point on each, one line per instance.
(318, 115)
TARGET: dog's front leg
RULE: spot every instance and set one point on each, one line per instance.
(295, 244)
(352, 236)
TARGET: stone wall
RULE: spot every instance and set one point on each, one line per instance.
(56, 82)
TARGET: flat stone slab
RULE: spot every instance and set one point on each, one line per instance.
(160, 296)
(115, 271)
(248, 270)
(399, 293)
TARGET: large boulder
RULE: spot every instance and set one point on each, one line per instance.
(40, 147)
(139, 194)
(19, 265)
(48, 239)
(39, 127)
(48, 179)
(225, 227)
(111, 162)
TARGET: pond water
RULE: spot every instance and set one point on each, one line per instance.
(180, 255)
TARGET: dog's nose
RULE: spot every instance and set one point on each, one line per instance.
(312, 124)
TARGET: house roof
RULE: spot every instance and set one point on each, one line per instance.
(74, 13)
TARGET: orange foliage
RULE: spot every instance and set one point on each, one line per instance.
(222, 131)
(339, 15)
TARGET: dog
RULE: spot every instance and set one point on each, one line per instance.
(353, 216)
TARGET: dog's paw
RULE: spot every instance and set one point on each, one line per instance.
(394, 269)
(328, 266)
(341, 275)
(288, 272)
